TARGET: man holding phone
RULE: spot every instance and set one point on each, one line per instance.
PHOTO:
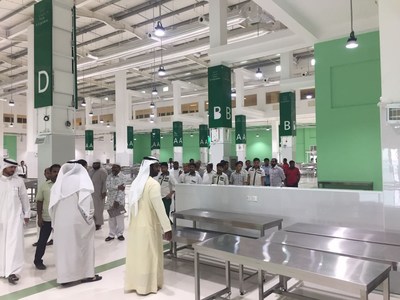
(116, 198)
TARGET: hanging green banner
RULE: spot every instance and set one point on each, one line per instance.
(177, 133)
(75, 57)
(155, 139)
(240, 129)
(203, 136)
(43, 53)
(89, 144)
(287, 112)
(115, 141)
(219, 97)
(130, 137)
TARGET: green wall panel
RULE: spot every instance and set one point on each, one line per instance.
(347, 117)
(10, 143)
(261, 146)
(305, 137)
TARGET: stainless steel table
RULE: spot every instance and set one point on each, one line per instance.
(237, 220)
(348, 233)
(339, 272)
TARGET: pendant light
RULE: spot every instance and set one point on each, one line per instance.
(83, 102)
(11, 102)
(352, 40)
(233, 93)
(91, 113)
(152, 105)
(161, 69)
(159, 29)
(259, 73)
(154, 91)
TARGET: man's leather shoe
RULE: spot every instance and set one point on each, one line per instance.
(49, 243)
(13, 279)
(121, 238)
(109, 238)
(40, 266)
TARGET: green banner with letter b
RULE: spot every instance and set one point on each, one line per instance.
(130, 137)
(155, 139)
(43, 53)
(287, 113)
(177, 134)
(89, 145)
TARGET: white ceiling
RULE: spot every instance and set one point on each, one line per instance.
(115, 31)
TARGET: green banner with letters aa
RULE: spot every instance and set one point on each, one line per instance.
(43, 53)
(130, 137)
(219, 97)
(203, 136)
(177, 133)
(240, 129)
(287, 112)
(155, 139)
(89, 144)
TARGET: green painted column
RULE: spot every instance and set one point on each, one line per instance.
(287, 126)
(220, 112)
(240, 137)
(155, 142)
(177, 142)
(203, 142)
(54, 80)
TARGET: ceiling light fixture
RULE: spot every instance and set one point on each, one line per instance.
(278, 68)
(151, 120)
(352, 40)
(106, 98)
(11, 124)
(11, 102)
(152, 115)
(233, 92)
(91, 113)
(83, 103)
(159, 30)
(312, 62)
(101, 121)
(161, 71)
(154, 91)
(108, 124)
(152, 105)
(259, 73)
(309, 96)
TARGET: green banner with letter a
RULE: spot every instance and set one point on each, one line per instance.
(240, 129)
(219, 97)
(203, 136)
(155, 139)
(130, 137)
(89, 145)
(43, 57)
(177, 134)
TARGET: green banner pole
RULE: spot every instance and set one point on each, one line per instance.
(240, 129)
(130, 137)
(89, 144)
(115, 141)
(155, 139)
(287, 113)
(177, 133)
(203, 136)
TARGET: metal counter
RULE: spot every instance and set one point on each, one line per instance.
(348, 233)
(339, 272)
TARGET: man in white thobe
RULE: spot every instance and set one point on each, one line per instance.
(71, 210)
(99, 176)
(148, 220)
(14, 212)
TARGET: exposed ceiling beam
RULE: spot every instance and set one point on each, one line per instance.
(282, 11)
(198, 61)
(150, 76)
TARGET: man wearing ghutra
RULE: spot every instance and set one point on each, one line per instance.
(71, 209)
(145, 260)
(14, 212)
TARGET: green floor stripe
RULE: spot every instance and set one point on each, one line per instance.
(53, 283)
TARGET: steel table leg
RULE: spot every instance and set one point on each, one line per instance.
(386, 289)
(241, 280)
(197, 275)
(260, 285)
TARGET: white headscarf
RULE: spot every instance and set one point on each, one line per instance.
(138, 184)
(72, 178)
(8, 162)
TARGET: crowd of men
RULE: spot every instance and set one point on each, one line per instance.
(71, 202)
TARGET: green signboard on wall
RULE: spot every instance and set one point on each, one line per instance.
(203, 136)
(89, 144)
(43, 57)
(287, 112)
(155, 140)
(177, 134)
(240, 129)
(219, 97)
(130, 137)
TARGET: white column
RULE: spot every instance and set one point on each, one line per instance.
(389, 22)
(286, 65)
(204, 155)
(275, 139)
(239, 86)
(177, 94)
(31, 125)
(218, 19)
(122, 105)
(241, 152)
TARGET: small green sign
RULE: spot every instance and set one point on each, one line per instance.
(240, 129)
(130, 137)
(89, 144)
(203, 136)
(287, 112)
(43, 53)
(177, 134)
(155, 139)
(219, 97)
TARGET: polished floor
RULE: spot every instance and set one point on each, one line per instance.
(179, 280)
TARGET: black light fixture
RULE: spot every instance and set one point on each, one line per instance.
(11, 102)
(108, 125)
(91, 113)
(159, 29)
(11, 124)
(233, 92)
(83, 102)
(152, 105)
(161, 71)
(352, 40)
(154, 91)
